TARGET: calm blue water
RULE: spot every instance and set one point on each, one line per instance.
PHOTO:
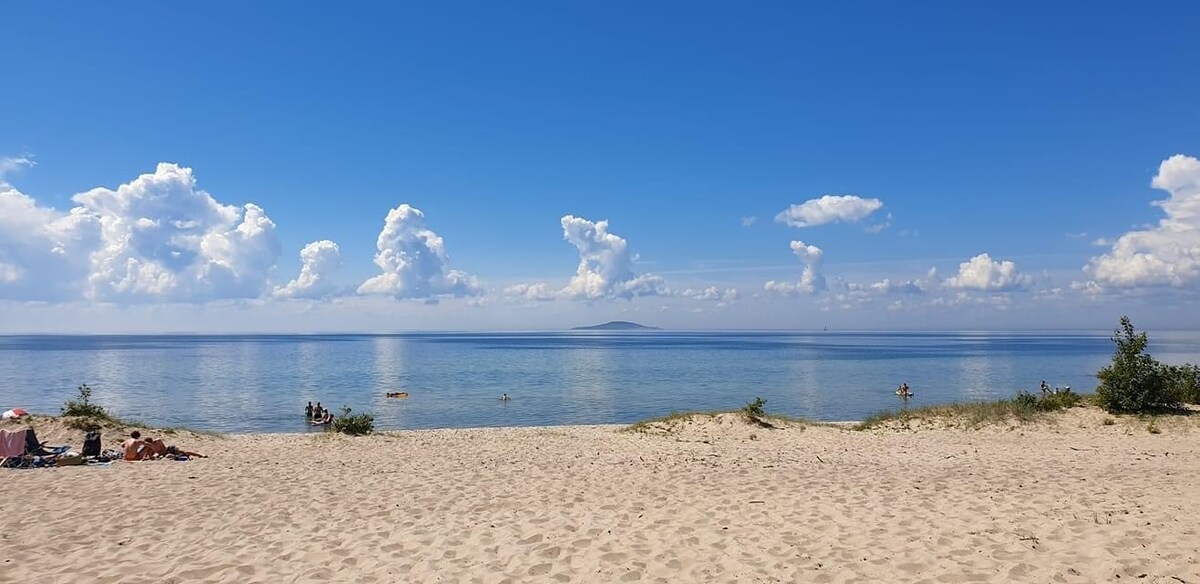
(261, 383)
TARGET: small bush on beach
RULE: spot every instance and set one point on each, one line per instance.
(356, 425)
(754, 410)
(83, 406)
(1135, 382)
(1053, 402)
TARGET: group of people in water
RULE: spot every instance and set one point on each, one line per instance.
(1046, 388)
(317, 415)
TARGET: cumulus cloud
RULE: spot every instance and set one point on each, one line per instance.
(982, 273)
(164, 239)
(414, 262)
(712, 294)
(605, 268)
(43, 252)
(829, 209)
(1167, 254)
(156, 238)
(605, 264)
(811, 279)
(319, 261)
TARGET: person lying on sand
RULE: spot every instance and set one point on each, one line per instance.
(134, 448)
(159, 449)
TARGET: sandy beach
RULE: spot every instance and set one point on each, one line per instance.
(1073, 500)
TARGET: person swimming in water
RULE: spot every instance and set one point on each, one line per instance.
(504, 397)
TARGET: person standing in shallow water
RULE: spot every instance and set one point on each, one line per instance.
(308, 411)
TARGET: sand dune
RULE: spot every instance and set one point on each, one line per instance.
(1075, 501)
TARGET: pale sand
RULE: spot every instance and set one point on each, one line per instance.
(1072, 502)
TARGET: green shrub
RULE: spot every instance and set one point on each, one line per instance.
(83, 407)
(1134, 381)
(1185, 382)
(1062, 400)
(1025, 400)
(356, 425)
(754, 410)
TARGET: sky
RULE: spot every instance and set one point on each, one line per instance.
(270, 167)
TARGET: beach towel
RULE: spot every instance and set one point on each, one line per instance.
(12, 442)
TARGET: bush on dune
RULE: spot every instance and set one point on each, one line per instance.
(356, 425)
(1136, 382)
(83, 406)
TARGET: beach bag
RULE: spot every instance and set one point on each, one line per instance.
(91, 444)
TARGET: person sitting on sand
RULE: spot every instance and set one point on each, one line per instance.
(159, 449)
(134, 448)
(308, 411)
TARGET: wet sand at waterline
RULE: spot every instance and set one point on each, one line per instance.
(716, 500)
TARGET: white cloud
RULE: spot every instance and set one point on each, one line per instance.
(887, 286)
(984, 274)
(165, 240)
(605, 268)
(157, 238)
(712, 294)
(319, 261)
(538, 292)
(1167, 254)
(43, 252)
(829, 209)
(811, 279)
(414, 261)
(748, 221)
(9, 164)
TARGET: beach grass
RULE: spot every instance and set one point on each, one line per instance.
(111, 422)
(1023, 408)
(673, 420)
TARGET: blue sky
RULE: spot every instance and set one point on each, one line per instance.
(1028, 132)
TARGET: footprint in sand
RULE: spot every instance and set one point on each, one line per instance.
(540, 570)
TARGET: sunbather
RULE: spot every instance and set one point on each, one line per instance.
(159, 449)
(134, 448)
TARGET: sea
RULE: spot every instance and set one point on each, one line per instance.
(261, 383)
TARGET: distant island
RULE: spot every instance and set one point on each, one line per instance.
(616, 325)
